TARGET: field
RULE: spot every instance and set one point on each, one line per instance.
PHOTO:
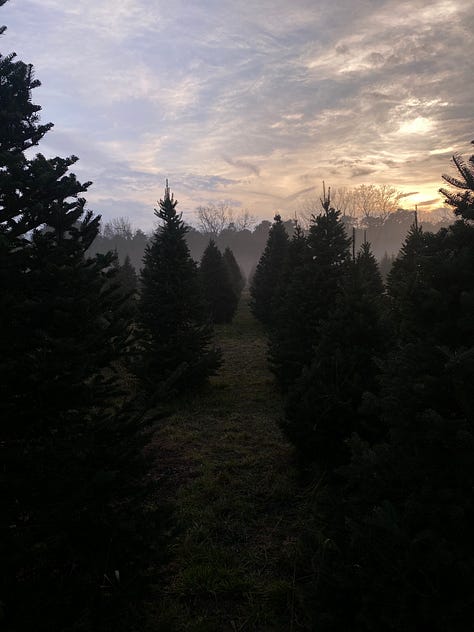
(229, 476)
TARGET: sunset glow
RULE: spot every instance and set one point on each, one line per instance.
(254, 105)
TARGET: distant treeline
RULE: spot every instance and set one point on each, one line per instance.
(385, 234)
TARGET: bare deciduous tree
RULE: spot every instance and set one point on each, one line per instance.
(362, 202)
(118, 227)
(244, 220)
(214, 218)
(371, 200)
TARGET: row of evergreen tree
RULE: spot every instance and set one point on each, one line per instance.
(385, 235)
(178, 303)
(87, 363)
(379, 404)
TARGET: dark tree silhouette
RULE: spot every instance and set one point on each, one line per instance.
(462, 201)
(177, 350)
(310, 295)
(125, 281)
(218, 290)
(322, 410)
(268, 273)
(234, 271)
(402, 558)
(71, 461)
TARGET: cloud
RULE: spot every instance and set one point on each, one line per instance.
(428, 202)
(408, 194)
(295, 196)
(362, 171)
(242, 164)
(233, 100)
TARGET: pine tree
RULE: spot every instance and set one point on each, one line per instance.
(407, 282)
(407, 500)
(125, 282)
(220, 296)
(323, 407)
(176, 343)
(462, 202)
(295, 257)
(431, 290)
(70, 461)
(268, 273)
(234, 271)
(403, 554)
(386, 264)
(412, 492)
(310, 295)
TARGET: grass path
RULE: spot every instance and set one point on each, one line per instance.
(230, 478)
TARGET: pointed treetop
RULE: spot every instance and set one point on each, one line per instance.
(167, 190)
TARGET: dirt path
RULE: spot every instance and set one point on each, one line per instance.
(233, 487)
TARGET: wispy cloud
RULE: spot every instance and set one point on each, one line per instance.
(255, 103)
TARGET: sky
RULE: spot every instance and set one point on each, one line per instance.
(252, 103)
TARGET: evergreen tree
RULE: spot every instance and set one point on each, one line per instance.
(268, 273)
(125, 282)
(219, 293)
(431, 286)
(310, 295)
(386, 264)
(70, 462)
(127, 277)
(295, 257)
(407, 559)
(176, 342)
(403, 556)
(234, 271)
(407, 283)
(323, 407)
(462, 202)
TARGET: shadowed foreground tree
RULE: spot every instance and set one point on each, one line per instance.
(323, 406)
(462, 200)
(176, 343)
(220, 296)
(400, 552)
(268, 273)
(72, 456)
(310, 294)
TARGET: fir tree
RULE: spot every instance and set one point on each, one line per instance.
(127, 277)
(323, 407)
(407, 284)
(268, 273)
(386, 264)
(219, 293)
(176, 343)
(234, 271)
(295, 257)
(462, 202)
(407, 554)
(403, 556)
(125, 281)
(310, 295)
(71, 463)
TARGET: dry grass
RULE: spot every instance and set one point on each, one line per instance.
(229, 475)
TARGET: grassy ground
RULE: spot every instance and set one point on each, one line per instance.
(229, 475)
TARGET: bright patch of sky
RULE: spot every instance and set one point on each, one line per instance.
(254, 103)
